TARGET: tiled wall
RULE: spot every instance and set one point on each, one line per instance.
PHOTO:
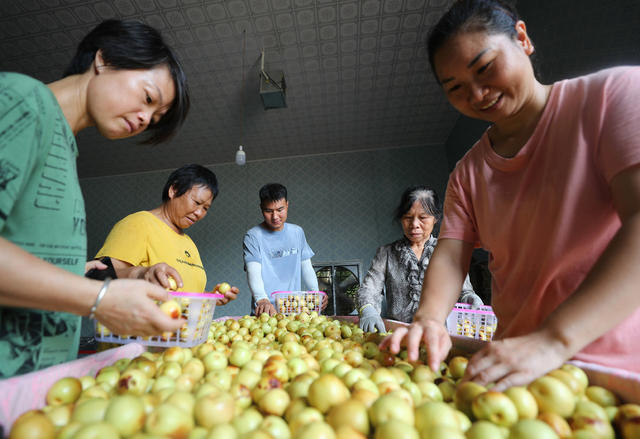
(344, 202)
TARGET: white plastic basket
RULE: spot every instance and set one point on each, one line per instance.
(295, 302)
(478, 323)
(197, 309)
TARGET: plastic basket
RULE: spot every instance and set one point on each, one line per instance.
(478, 323)
(197, 309)
(295, 302)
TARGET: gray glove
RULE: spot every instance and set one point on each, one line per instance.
(471, 299)
(370, 320)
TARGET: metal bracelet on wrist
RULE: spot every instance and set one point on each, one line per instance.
(103, 291)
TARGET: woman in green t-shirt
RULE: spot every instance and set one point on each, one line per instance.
(123, 80)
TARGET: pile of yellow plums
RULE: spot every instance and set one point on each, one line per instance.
(312, 377)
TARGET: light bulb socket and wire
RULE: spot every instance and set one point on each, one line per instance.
(241, 156)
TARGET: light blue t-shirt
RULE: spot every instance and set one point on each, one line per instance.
(280, 255)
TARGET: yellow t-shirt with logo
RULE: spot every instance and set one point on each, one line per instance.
(142, 239)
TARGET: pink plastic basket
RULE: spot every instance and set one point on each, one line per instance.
(478, 323)
(197, 309)
(295, 302)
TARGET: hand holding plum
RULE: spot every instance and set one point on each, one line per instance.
(230, 293)
(129, 307)
(161, 274)
(434, 335)
(370, 319)
(265, 306)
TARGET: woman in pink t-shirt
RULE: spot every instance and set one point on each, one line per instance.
(551, 190)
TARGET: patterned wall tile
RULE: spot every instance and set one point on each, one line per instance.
(338, 58)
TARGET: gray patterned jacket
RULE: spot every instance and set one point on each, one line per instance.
(397, 268)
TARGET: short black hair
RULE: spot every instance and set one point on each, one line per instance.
(132, 45)
(272, 192)
(491, 16)
(188, 176)
(427, 197)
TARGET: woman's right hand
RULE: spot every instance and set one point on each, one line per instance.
(129, 308)
(434, 335)
(159, 274)
(264, 305)
(370, 320)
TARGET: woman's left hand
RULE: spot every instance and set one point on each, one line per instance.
(516, 361)
(228, 296)
(472, 299)
(95, 263)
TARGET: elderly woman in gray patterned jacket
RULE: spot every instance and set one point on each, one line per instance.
(400, 266)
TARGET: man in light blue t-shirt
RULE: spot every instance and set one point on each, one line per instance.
(276, 253)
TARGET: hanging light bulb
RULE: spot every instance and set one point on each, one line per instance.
(241, 156)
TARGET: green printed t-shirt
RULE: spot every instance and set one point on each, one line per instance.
(41, 211)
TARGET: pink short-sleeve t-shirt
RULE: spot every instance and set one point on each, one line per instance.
(546, 215)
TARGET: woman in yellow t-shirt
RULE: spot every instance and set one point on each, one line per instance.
(152, 244)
